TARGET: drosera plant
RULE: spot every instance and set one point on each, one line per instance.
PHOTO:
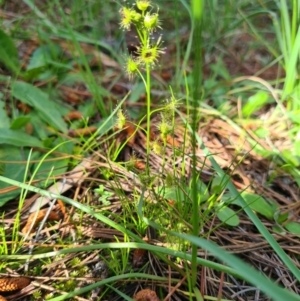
(216, 187)
(145, 23)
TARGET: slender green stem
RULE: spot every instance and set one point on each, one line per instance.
(148, 92)
(197, 7)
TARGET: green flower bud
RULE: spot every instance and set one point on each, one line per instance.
(121, 120)
(136, 17)
(126, 17)
(131, 67)
(142, 4)
(164, 129)
(151, 21)
(149, 54)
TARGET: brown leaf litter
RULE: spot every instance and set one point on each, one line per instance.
(237, 158)
(230, 146)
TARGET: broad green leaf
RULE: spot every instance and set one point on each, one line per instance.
(181, 193)
(227, 199)
(19, 122)
(33, 73)
(14, 168)
(288, 156)
(262, 132)
(228, 216)
(218, 184)
(36, 98)
(279, 230)
(203, 193)
(5, 79)
(171, 193)
(281, 218)
(18, 138)
(258, 204)
(220, 70)
(2, 168)
(40, 130)
(45, 62)
(137, 91)
(8, 53)
(4, 119)
(42, 55)
(293, 227)
(51, 167)
(255, 102)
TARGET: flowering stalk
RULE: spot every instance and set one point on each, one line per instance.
(145, 23)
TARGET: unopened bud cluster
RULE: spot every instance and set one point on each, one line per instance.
(141, 17)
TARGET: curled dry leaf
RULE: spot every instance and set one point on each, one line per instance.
(173, 141)
(73, 115)
(118, 89)
(138, 257)
(80, 172)
(146, 295)
(171, 202)
(130, 130)
(83, 132)
(23, 107)
(139, 164)
(62, 208)
(166, 75)
(29, 128)
(153, 135)
(71, 97)
(35, 218)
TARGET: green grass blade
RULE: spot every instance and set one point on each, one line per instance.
(245, 271)
(259, 225)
